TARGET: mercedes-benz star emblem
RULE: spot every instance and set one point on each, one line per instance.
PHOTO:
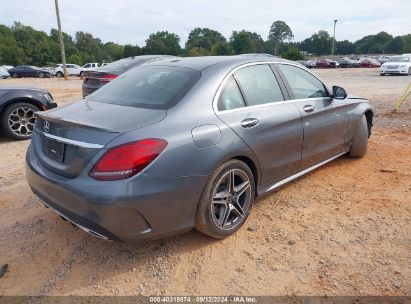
(46, 126)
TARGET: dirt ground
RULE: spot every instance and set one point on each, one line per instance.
(344, 229)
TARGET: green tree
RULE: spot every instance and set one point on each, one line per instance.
(396, 45)
(373, 43)
(131, 50)
(279, 31)
(197, 51)
(321, 43)
(10, 52)
(90, 48)
(407, 43)
(345, 47)
(242, 42)
(163, 43)
(74, 59)
(204, 38)
(258, 43)
(112, 51)
(292, 53)
(221, 48)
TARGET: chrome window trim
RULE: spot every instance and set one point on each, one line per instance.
(222, 84)
(70, 141)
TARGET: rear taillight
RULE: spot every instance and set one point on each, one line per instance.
(127, 160)
(108, 77)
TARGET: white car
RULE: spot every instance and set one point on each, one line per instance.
(90, 66)
(72, 70)
(6, 67)
(397, 65)
(4, 74)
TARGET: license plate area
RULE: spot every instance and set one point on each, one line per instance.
(54, 149)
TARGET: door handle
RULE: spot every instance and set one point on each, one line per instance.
(309, 108)
(249, 122)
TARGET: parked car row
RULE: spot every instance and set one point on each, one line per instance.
(341, 62)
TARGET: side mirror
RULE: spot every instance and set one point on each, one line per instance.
(339, 93)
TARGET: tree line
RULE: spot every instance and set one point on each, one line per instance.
(21, 44)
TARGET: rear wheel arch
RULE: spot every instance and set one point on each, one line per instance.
(250, 163)
(369, 115)
(247, 161)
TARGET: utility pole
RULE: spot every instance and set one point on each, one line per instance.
(332, 49)
(63, 53)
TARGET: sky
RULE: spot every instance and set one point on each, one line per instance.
(132, 21)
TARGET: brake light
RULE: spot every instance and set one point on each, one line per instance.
(127, 160)
(108, 77)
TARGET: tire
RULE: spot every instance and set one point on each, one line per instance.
(18, 120)
(409, 71)
(40, 75)
(14, 75)
(382, 74)
(360, 142)
(59, 74)
(221, 212)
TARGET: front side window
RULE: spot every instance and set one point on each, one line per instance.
(153, 87)
(259, 85)
(302, 84)
(231, 97)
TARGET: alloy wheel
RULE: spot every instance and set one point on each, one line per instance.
(21, 121)
(231, 199)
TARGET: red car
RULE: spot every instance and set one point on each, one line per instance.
(326, 63)
(369, 63)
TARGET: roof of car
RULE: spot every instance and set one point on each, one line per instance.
(202, 63)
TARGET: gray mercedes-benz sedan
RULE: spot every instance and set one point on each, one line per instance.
(189, 142)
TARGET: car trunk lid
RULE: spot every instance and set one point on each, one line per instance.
(66, 139)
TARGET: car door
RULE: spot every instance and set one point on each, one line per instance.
(30, 72)
(324, 119)
(24, 71)
(69, 68)
(253, 104)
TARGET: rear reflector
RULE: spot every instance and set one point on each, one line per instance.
(127, 160)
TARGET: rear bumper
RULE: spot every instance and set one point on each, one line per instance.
(132, 209)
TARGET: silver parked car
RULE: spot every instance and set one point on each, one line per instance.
(189, 142)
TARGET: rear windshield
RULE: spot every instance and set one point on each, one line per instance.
(153, 87)
(123, 65)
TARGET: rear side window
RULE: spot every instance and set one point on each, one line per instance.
(153, 87)
(231, 97)
(259, 85)
(302, 84)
